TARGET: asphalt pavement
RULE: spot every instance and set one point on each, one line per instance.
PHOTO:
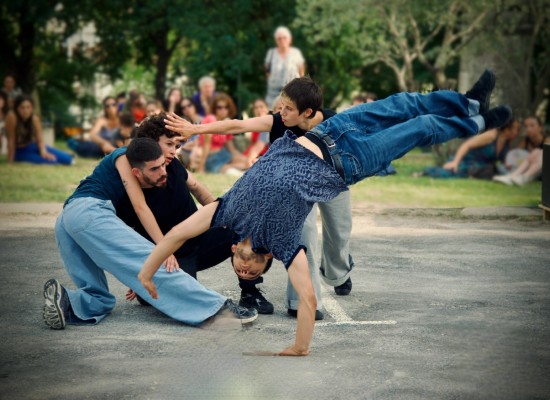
(446, 304)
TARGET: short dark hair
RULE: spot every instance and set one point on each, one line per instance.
(305, 93)
(268, 264)
(154, 127)
(142, 150)
(127, 120)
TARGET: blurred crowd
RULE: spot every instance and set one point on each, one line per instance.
(511, 155)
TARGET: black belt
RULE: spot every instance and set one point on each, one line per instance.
(326, 144)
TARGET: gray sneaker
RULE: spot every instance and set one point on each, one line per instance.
(245, 315)
(56, 307)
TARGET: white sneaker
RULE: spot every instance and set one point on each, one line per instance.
(234, 172)
(519, 180)
(506, 179)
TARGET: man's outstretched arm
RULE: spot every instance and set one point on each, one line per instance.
(193, 226)
(230, 126)
(298, 273)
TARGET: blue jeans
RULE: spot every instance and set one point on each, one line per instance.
(31, 154)
(217, 160)
(92, 239)
(369, 136)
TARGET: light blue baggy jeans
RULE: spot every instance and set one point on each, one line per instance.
(92, 239)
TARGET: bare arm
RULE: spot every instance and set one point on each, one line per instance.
(207, 143)
(193, 226)
(105, 145)
(198, 190)
(298, 272)
(225, 127)
(472, 143)
(137, 199)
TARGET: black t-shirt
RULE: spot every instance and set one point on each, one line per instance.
(278, 129)
(170, 205)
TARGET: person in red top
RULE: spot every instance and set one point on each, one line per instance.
(219, 154)
(259, 142)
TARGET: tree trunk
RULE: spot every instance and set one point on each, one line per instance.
(25, 73)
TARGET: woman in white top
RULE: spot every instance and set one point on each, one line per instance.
(282, 63)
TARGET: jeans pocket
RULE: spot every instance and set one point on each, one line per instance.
(80, 213)
(353, 169)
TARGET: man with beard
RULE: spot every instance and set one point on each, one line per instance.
(92, 239)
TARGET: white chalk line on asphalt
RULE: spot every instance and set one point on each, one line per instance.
(341, 317)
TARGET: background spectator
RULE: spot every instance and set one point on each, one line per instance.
(25, 140)
(477, 156)
(153, 107)
(205, 95)
(4, 108)
(172, 103)
(123, 135)
(11, 89)
(282, 63)
(259, 141)
(219, 153)
(530, 166)
(136, 105)
(189, 152)
(102, 133)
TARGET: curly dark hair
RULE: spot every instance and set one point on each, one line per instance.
(153, 127)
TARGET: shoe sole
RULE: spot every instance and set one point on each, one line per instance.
(492, 84)
(52, 307)
(248, 319)
(263, 312)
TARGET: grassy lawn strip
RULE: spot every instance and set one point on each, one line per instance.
(36, 183)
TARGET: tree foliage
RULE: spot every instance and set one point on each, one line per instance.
(222, 38)
(398, 33)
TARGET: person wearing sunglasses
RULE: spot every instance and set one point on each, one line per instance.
(106, 126)
(219, 154)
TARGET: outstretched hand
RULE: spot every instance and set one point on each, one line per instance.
(451, 165)
(149, 285)
(131, 295)
(177, 124)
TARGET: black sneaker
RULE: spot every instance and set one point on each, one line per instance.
(318, 314)
(344, 289)
(245, 315)
(481, 91)
(497, 117)
(253, 298)
(57, 305)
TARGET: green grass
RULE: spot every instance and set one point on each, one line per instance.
(35, 183)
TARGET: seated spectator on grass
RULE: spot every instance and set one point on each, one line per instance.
(259, 140)
(102, 134)
(189, 153)
(11, 89)
(123, 135)
(4, 108)
(136, 105)
(121, 101)
(153, 107)
(219, 154)
(530, 166)
(172, 103)
(25, 139)
(477, 157)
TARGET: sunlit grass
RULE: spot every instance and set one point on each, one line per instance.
(34, 183)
